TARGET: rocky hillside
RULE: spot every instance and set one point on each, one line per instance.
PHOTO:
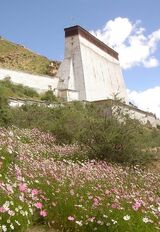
(17, 57)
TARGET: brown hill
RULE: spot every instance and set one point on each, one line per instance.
(17, 57)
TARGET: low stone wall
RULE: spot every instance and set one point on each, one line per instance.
(113, 107)
(109, 108)
(18, 102)
(133, 113)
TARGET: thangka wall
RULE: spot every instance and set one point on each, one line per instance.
(90, 70)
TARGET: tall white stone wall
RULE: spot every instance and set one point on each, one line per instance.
(90, 71)
(37, 82)
(102, 73)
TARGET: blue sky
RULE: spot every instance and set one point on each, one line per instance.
(39, 24)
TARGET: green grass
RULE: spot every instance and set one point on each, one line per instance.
(17, 57)
(8, 89)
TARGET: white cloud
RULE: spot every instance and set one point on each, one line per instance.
(148, 100)
(129, 39)
(151, 62)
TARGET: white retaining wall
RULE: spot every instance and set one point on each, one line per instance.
(37, 82)
(134, 113)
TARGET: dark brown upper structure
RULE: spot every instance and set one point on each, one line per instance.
(77, 30)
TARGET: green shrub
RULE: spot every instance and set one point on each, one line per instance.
(101, 137)
(110, 140)
(68, 122)
(5, 117)
(17, 90)
(3, 98)
(49, 97)
(64, 122)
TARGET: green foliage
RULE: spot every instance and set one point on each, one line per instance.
(3, 97)
(49, 97)
(5, 112)
(5, 117)
(100, 137)
(6, 159)
(107, 139)
(16, 90)
(68, 122)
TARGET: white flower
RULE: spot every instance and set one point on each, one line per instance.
(126, 218)
(26, 213)
(17, 222)
(10, 151)
(4, 228)
(20, 207)
(145, 220)
(79, 223)
(11, 133)
(22, 212)
(114, 222)
(11, 213)
(12, 226)
(11, 203)
(6, 205)
(100, 222)
(31, 211)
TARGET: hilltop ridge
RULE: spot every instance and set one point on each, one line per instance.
(17, 57)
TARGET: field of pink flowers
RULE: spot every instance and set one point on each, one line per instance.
(43, 183)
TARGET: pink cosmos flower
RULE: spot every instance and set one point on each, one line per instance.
(38, 205)
(70, 218)
(34, 192)
(114, 205)
(137, 205)
(2, 209)
(95, 201)
(23, 187)
(43, 213)
(9, 188)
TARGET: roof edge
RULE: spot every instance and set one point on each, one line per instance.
(78, 30)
